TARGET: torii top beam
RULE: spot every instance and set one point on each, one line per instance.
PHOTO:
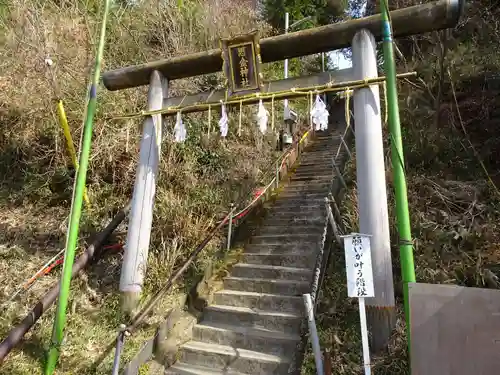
(413, 20)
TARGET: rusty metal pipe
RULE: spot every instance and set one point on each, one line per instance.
(17, 333)
(417, 19)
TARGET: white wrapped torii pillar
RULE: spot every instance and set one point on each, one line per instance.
(372, 193)
(141, 213)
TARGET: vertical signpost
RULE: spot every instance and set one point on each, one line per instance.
(358, 262)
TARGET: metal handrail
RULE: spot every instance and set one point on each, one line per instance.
(279, 160)
(128, 330)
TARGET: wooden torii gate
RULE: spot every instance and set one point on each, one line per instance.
(361, 34)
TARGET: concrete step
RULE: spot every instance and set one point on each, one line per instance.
(310, 184)
(317, 220)
(267, 230)
(287, 194)
(321, 150)
(304, 210)
(218, 357)
(185, 369)
(284, 260)
(285, 238)
(313, 167)
(320, 160)
(308, 248)
(316, 160)
(319, 153)
(297, 201)
(307, 206)
(298, 216)
(312, 171)
(240, 337)
(308, 187)
(259, 301)
(280, 321)
(316, 178)
(308, 162)
(268, 286)
(324, 147)
(264, 271)
(319, 163)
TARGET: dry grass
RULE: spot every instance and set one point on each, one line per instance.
(197, 179)
(454, 207)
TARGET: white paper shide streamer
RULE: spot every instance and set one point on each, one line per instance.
(223, 122)
(319, 114)
(180, 132)
(262, 117)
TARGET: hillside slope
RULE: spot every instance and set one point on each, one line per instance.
(450, 126)
(198, 179)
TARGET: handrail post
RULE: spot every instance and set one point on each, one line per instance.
(313, 333)
(120, 340)
(230, 226)
(332, 221)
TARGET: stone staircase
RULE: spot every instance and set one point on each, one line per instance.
(254, 325)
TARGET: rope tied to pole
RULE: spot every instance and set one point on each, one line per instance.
(255, 97)
(347, 111)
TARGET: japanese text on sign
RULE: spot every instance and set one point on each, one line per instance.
(358, 266)
(242, 66)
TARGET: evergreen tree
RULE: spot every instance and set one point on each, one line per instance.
(322, 11)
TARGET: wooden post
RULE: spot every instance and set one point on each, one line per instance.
(141, 214)
(230, 226)
(372, 194)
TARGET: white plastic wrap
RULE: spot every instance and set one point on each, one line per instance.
(262, 117)
(180, 132)
(319, 114)
(223, 122)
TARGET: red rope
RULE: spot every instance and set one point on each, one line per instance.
(117, 246)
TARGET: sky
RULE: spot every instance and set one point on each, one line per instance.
(337, 58)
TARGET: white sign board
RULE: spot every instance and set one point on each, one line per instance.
(358, 260)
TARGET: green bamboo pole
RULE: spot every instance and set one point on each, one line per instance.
(398, 168)
(76, 208)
